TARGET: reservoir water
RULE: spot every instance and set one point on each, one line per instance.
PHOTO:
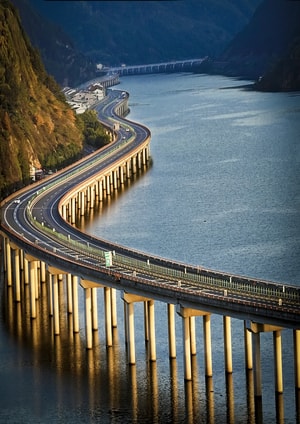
(223, 192)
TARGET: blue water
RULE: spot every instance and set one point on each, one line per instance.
(223, 192)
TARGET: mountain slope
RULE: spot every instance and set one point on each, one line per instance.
(114, 32)
(37, 127)
(61, 59)
(267, 39)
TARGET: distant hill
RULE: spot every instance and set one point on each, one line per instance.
(285, 74)
(61, 58)
(131, 32)
(37, 127)
(267, 47)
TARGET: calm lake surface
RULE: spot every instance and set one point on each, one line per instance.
(223, 192)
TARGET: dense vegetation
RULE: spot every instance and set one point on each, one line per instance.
(269, 45)
(93, 131)
(61, 58)
(114, 32)
(245, 38)
(37, 127)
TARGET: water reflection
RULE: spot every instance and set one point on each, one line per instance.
(99, 382)
(210, 400)
(230, 398)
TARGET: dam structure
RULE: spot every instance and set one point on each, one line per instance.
(41, 247)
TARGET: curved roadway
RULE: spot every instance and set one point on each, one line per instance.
(33, 222)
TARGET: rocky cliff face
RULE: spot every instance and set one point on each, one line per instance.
(37, 127)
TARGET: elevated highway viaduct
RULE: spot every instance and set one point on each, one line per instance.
(42, 245)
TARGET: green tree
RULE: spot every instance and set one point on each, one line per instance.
(94, 132)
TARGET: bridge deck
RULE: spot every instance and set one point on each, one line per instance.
(59, 244)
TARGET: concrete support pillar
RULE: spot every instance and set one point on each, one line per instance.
(32, 288)
(55, 304)
(88, 195)
(171, 331)
(227, 344)
(113, 295)
(193, 335)
(37, 280)
(149, 323)
(189, 339)
(126, 330)
(128, 168)
(73, 210)
(152, 341)
(115, 179)
(248, 347)
(130, 326)
(133, 160)
(257, 364)
(92, 196)
(75, 304)
(64, 212)
(94, 309)
(121, 175)
(148, 152)
(296, 336)
(26, 270)
(42, 272)
(69, 294)
(100, 191)
(144, 160)
(68, 210)
(3, 251)
(256, 329)
(96, 188)
(82, 203)
(139, 162)
(78, 200)
(17, 276)
(278, 361)
(187, 347)
(88, 318)
(207, 345)
(8, 262)
(108, 185)
(146, 321)
(49, 293)
(107, 306)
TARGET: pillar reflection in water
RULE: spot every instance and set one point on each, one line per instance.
(279, 408)
(153, 390)
(174, 389)
(250, 396)
(210, 400)
(59, 332)
(188, 387)
(134, 394)
(230, 398)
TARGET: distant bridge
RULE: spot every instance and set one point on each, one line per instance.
(153, 68)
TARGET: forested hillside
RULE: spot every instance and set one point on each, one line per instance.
(37, 127)
(269, 45)
(115, 32)
(60, 56)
